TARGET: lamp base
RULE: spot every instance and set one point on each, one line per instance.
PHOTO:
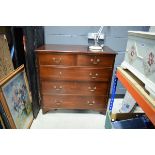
(95, 48)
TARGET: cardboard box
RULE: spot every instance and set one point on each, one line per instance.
(110, 118)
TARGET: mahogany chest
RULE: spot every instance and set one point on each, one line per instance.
(72, 77)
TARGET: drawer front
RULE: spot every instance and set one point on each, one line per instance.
(83, 88)
(74, 102)
(96, 60)
(57, 59)
(75, 73)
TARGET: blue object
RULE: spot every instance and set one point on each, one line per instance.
(134, 123)
(12, 51)
(113, 93)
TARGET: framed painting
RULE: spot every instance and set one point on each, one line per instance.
(6, 65)
(16, 99)
(4, 117)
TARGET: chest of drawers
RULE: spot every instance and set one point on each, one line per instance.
(72, 77)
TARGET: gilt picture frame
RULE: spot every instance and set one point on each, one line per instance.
(16, 99)
(4, 117)
(1, 123)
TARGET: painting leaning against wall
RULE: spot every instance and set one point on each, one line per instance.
(6, 65)
(16, 99)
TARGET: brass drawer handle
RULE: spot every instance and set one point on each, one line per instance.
(58, 88)
(58, 102)
(93, 77)
(57, 60)
(95, 61)
(91, 103)
(92, 89)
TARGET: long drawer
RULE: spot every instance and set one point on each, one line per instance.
(57, 59)
(105, 60)
(81, 88)
(75, 73)
(74, 102)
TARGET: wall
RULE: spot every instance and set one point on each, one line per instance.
(115, 38)
(68, 34)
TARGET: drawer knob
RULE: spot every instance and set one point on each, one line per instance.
(57, 60)
(92, 89)
(58, 87)
(91, 103)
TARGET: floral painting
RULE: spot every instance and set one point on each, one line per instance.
(18, 99)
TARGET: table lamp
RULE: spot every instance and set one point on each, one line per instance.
(96, 46)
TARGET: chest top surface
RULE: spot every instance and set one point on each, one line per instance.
(74, 49)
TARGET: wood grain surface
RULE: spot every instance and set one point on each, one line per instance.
(72, 77)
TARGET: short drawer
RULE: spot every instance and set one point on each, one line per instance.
(96, 60)
(74, 102)
(75, 73)
(78, 88)
(56, 59)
